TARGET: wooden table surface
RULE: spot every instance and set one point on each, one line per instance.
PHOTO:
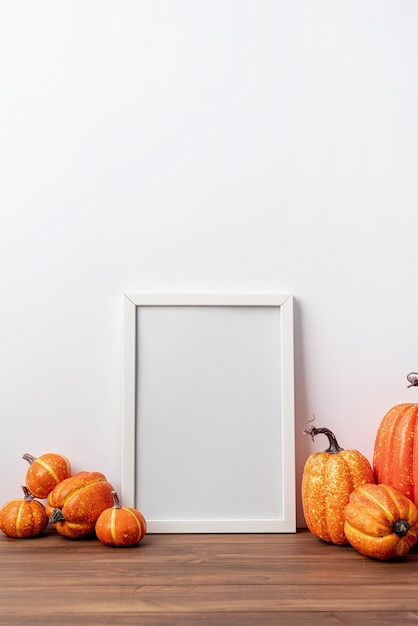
(228, 580)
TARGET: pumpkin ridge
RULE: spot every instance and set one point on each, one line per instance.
(376, 501)
(387, 538)
(393, 435)
(349, 458)
(132, 514)
(70, 495)
(113, 525)
(406, 450)
(334, 499)
(49, 469)
(321, 518)
(376, 519)
(348, 526)
(76, 491)
(409, 512)
(18, 520)
(391, 496)
(400, 550)
(387, 433)
(371, 515)
(392, 428)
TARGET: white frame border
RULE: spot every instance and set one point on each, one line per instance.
(287, 524)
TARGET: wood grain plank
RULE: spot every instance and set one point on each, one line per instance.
(216, 598)
(389, 618)
(209, 574)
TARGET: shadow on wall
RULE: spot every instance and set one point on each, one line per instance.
(302, 443)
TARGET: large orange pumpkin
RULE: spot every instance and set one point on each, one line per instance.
(75, 504)
(328, 479)
(23, 517)
(395, 457)
(45, 472)
(381, 522)
(120, 526)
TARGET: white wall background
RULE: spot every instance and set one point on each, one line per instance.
(203, 145)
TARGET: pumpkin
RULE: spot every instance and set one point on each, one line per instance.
(120, 526)
(328, 479)
(381, 522)
(45, 472)
(395, 456)
(23, 517)
(76, 502)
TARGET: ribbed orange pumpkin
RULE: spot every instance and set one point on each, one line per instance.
(328, 479)
(23, 517)
(120, 526)
(45, 472)
(381, 522)
(75, 504)
(395, 457)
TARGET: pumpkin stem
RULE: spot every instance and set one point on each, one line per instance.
(29, 458)
(28, 497)
(401, 527)
(413, 379)
(333, 447)
(56, 516)
(116, 502)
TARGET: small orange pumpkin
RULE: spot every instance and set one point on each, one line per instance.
(76, 502)
(23, 517)
(327, 481)
(381, 522)
(45, 472)
(120, 525)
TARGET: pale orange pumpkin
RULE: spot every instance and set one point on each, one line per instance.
(120, 526)
(23, 517)
(380, 522)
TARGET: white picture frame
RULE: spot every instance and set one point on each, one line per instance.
(181, 463)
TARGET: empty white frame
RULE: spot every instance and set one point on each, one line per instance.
(208, 412)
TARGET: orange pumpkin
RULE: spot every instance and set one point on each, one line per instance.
(328, 479)
(120, 526)
(76, 502)
(381, 522)
(23, 517)
(395, 457)
(45, 472)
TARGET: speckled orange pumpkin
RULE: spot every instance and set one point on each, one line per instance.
(45, 472)
(381, 522)
(75, 504)
(328, 479)
(23, 517)
(120, 526)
